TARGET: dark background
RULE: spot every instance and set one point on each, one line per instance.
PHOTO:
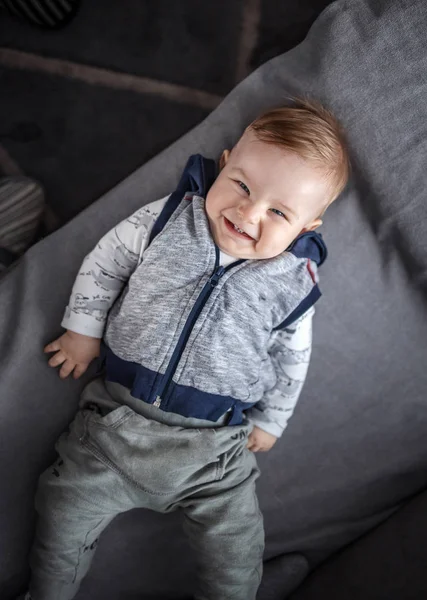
(83, 106)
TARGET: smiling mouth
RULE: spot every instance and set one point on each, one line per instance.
(236, 230)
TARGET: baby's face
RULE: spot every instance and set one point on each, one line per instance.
(263, 198)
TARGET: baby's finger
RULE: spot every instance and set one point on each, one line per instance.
(79, 370)
(52, 347)
(57, 359)
(66, 368)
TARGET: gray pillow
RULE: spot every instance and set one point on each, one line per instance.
(356, 447)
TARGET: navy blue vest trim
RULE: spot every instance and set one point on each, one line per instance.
(309, 245)
(307, 303)
(168, 209)
(180, 399)
(198, 176)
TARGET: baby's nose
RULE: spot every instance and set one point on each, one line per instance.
(249, 212)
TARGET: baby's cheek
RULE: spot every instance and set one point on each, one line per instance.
(280, 239)
(271, 245)
(209, 204)
(220, 197)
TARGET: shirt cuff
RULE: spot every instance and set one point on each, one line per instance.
(83, 324)
(268, 426)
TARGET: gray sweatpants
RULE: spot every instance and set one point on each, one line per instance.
(121, 453)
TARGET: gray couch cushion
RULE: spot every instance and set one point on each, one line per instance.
(356, 446)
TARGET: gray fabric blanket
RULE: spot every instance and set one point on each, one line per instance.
(356, 447)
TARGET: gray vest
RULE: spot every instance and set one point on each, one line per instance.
(217, 345)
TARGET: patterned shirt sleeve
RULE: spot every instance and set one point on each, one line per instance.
(290, 351)
(106, 270)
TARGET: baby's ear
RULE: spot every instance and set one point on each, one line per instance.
(224, 159)
(312, 226)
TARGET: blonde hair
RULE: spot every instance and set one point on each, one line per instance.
(309, 130)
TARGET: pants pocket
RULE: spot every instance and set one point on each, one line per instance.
(110, 418)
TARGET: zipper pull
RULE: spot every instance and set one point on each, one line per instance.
(157, 402)
(216, 276)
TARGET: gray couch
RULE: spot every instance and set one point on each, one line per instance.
(356, 449)
(388, 563)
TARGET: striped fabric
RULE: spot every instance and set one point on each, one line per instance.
(45, 13)
(21, 209)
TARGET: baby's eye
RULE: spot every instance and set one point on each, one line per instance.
(278, 212)
(244, 187)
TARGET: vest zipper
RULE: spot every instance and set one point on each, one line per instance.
(203, 297)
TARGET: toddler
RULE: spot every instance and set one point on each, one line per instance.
(200, 307)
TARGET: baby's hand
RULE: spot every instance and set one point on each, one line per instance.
(74, 352)
(260, 441)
